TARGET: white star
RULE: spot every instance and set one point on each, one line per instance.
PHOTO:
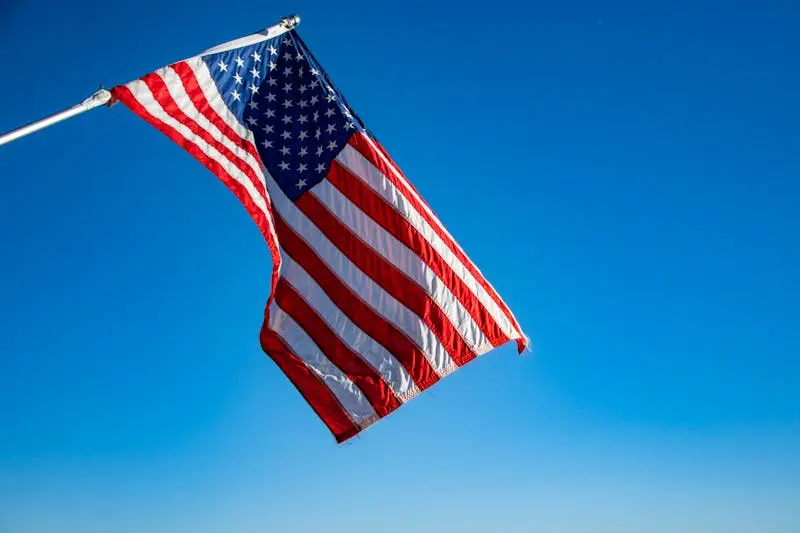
(287, 87)
(299, 57)
(316, 116)
(253, 104)
(284, 165)
(266, 144)
(318, 133)
(301, 71)
(285, 151)
(302, 168)
(314, 72)
(272, 65)
(303, 151)
(271, 97)
(252, 121)
(287, 56)
(286, 119)
(314, 84)
(332, 145)
(286, 135)
(302, 103)
(236, 95)
(222, 66)
(320, 150)
(349, 126)
(237, 78)
(331, 128)
(255, 72)
(314, 100)
(256, 56)
(320, 168)
(347, 114)
(303, 135)
(287, 42)
(287, 104)
(269, 113)
(268, 129)
(330, 112)
(272, 82)
(331, 97)
(272, 50)
(301, 183)
(239, 62)
(303, 118)
(302, 89)
(253, 88)
(287, 71)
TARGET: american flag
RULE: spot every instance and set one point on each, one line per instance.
(372, 300)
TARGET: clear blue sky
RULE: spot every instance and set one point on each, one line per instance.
(637, 176)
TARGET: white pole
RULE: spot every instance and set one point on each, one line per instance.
(96, 100)
(103, 97)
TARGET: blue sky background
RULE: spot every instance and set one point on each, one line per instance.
(626, 176)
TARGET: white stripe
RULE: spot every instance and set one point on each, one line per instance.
(254, 38)
(372, 352)
(143, 95)
(349, 395)
(185, 104)
(352, 159)
(397, 254)
(264, 35)
(411, 192)
(362, 285)
(209, 89)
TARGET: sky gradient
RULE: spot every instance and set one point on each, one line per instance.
(626, 177)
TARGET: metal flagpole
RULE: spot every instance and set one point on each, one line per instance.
(103, 97)
(96, 100)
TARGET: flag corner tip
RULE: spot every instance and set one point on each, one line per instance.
(524, 345)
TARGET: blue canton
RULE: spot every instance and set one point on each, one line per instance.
(299, 120)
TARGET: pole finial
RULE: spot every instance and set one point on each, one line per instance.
(290, 22)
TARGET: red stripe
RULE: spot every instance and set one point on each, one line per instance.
(124, 95)
(375, 389)
(310, 386)
(364, 147)
(361, 314)
(158, 87)
(192, 86)
(398, 226)
(389, 277)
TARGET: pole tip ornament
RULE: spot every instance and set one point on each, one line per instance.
(290, 22)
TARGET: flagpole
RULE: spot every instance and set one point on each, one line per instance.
(99, 98)
(103, 97)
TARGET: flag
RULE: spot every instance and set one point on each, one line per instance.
(372, 300)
